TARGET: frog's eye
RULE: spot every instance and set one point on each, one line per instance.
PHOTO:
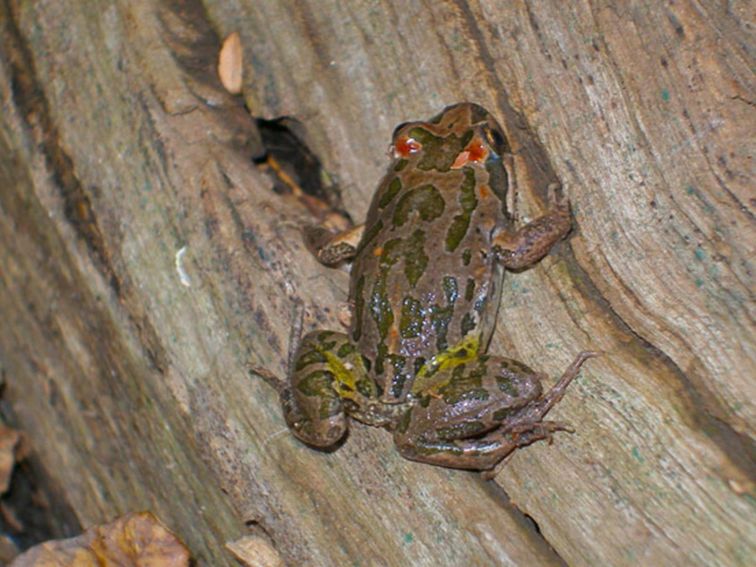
(496, 139)
(405, 146)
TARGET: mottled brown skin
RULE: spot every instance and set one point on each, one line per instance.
(425, 288)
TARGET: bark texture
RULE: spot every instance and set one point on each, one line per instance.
(146, 264)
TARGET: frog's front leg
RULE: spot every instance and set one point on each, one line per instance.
(534, 240)
(482, 412)
(333, 248)
(328, 380)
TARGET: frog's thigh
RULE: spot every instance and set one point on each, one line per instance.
(313, 400)
(464, 423)
(330, 248)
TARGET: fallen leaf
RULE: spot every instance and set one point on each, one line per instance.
(230, 63)
(253, 551)
(137, 540)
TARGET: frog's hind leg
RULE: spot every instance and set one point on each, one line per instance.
(482, 453)
(331, 249)
(536, 411)
(325, 372)
(481, 415)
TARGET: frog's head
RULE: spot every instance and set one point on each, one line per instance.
(460, 135)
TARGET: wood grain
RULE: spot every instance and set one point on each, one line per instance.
(146, 264)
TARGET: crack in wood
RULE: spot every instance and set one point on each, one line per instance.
(29, 99)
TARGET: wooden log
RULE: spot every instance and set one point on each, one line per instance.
(146, 264)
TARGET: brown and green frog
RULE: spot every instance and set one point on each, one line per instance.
(426, 279)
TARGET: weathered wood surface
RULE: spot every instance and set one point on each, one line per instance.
(126, 360)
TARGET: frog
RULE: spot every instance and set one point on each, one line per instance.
(427, 272)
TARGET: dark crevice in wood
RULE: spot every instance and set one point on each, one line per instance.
(42, 513)
(294, 167)
(529, 524)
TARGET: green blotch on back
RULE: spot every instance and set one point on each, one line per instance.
(466, 257)
(425, 200)
(345, 350)
(440, 318)
(469, 289)
(439, 152)
(394, 187)
(380, 305)
(451, 292)
(411, 319)
(467, 324)
(438, 370)
(461, 222)
(326, 346)
(400, 377)
(465, 385)
(380, 356)
(359, 305)
(311, 357)
(318, 383)
(365, 385)
(415, 258)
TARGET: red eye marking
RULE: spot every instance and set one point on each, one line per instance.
(474, 152)
(406, 146)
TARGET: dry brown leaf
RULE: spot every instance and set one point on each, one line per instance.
(230, 63)
(253, 551)
(137, 540)
(9, 439)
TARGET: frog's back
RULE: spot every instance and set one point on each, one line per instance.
(425, 280)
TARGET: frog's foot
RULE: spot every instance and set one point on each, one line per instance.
(329, 248)
(537, 411)
(518, 250)
(540, 429)
(273, 380)
(525, 434)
